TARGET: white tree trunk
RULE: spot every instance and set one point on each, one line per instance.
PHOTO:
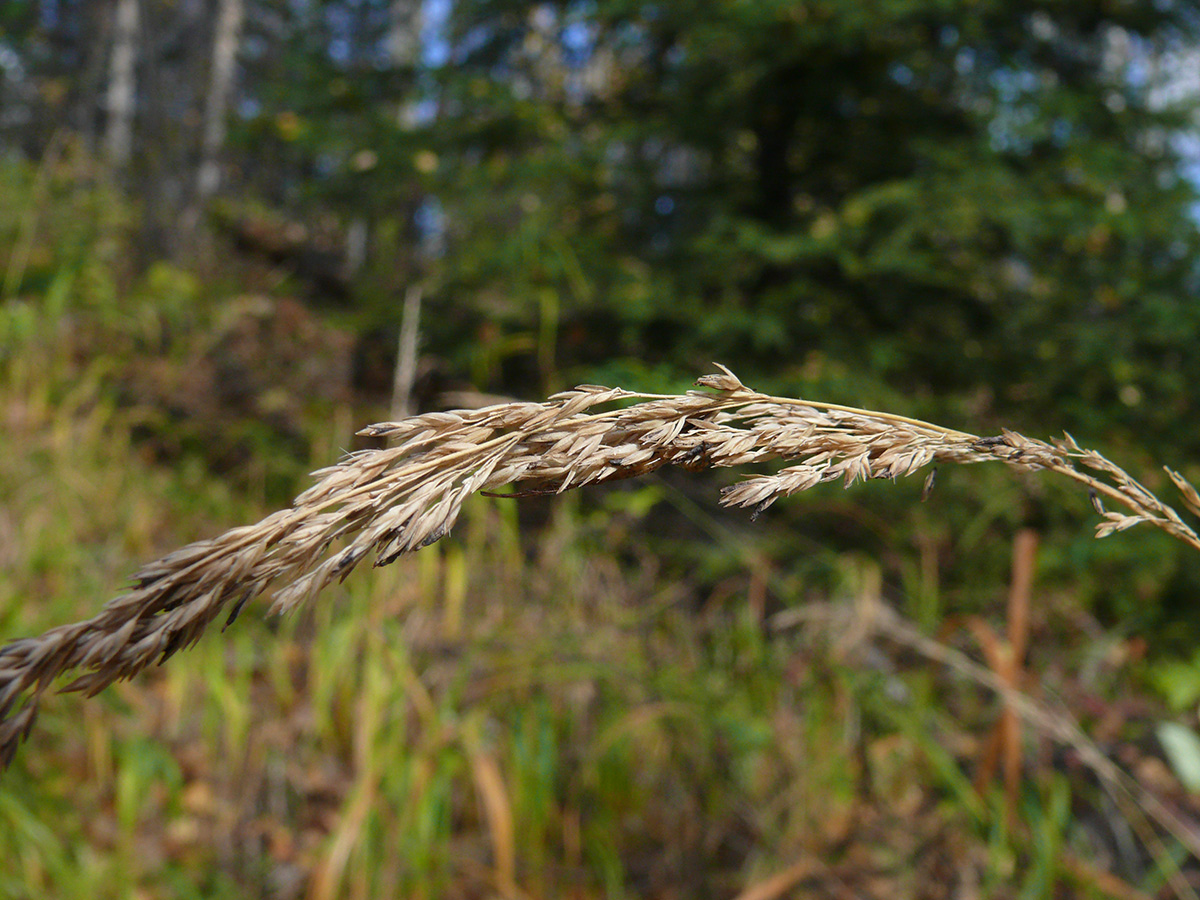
(118, 138)
(230, 16)
(406, 356)
(404, 32)
(404, 49)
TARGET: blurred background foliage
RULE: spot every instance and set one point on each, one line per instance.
(982, 214)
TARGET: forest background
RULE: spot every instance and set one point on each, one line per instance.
(216, 218)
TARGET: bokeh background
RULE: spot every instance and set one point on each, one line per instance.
(217, 218)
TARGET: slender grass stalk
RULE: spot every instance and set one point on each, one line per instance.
(396, 500)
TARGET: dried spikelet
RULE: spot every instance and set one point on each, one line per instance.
(387, 502)
(1191, 499)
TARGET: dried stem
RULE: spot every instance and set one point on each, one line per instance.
(395, 500)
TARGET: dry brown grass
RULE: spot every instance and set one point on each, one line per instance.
(392, 501)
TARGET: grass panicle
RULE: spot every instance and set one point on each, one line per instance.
(391, 501)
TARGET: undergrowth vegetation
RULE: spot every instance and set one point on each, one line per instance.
(547, 704)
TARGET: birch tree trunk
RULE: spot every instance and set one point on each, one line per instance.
(230, 16)
(404, 33)
(406, 19)
(122, 86)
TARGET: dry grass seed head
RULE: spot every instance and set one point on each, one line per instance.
(395, 500)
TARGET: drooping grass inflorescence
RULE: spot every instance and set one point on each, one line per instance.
(386, 502)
